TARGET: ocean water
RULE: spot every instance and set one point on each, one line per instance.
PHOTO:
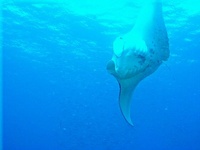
(57, 94)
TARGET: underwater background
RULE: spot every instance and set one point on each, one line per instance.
(58, 95)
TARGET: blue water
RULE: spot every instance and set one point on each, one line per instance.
(57, 94)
